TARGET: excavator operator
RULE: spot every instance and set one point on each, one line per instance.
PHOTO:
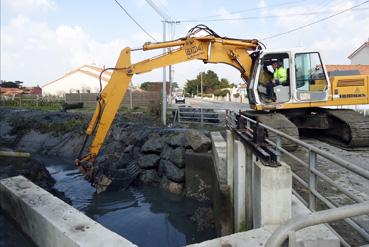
(279, 78)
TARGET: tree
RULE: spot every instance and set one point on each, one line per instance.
(11, 84)
(146, 85)
(175, 85)
(210, 82)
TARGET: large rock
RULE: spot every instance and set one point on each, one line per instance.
(176, 156)
(197, 141)
(148, 161)
(153, 145)
(176, 140)
(171, 171)
(172, 187)
(123, 161)
(149, 177)
(167, 150)
(138, 136)
(30, 168)
(117, 133)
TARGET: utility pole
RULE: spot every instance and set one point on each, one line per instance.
(201, 84)
(166, 19)
(164, 110)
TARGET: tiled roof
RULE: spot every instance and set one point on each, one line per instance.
(98, 70)
(10, 91)
(363, 69)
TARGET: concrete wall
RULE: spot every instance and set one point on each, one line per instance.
(222, 194)
(48, 221)
(139, 98)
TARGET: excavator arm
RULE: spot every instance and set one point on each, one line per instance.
(209, 49)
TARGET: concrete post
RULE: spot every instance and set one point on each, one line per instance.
(230, 141)
(239, 201)
(272, 194)
(249, 188)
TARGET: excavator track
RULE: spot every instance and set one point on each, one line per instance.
(277, 121)
(350, 129)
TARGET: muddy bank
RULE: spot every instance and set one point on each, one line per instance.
(137, 149)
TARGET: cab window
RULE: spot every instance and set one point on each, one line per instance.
(309, 72)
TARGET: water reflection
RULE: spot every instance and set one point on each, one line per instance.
(147, 216)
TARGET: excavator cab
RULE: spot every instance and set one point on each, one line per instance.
(306, 81)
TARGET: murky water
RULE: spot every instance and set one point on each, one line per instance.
(10, 235)
(147, 216)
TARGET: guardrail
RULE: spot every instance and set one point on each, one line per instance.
(288, 230)
(241, 124)
(200, 115)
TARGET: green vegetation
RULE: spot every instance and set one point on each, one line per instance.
(147, 85)
(31, 105)
(11, 84)
(221, 92)
(53, 107)
(210, 83)
(236, 95)
(24, 124)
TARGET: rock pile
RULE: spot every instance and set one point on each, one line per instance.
(134, 152)
(148, 156)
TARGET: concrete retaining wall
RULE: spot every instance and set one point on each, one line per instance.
(48, 221)
(222, 195)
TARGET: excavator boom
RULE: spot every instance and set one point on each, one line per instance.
(210, 49)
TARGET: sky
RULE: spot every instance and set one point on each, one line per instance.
(43, 39)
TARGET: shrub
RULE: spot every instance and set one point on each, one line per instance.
(236, 95)
(221, 93)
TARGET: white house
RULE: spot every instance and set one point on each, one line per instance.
(83, 79)
(360, 55)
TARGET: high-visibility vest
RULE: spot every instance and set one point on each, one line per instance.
(280, 74)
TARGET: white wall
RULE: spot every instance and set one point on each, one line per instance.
(72, 83)
(361, 57)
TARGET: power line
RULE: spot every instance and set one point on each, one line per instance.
(133, 19)
(245, 10)
(263, 17)
(160, 12)
(315, 22)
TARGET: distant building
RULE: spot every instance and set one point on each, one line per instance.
(360, 55)
(32, 90)
(4, 91)
(157, 86)
(84, 79)
(20, 91)
(337, 70)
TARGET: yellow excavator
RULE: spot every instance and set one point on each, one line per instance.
(300, 104)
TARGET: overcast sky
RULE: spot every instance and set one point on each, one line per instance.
(43, 39)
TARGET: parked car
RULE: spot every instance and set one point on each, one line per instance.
(180, 98)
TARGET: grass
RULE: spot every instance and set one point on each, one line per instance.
(24, 124)
(50, 107)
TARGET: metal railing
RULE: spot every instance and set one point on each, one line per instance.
(288, 230)
(200, 115)
(232, 121)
